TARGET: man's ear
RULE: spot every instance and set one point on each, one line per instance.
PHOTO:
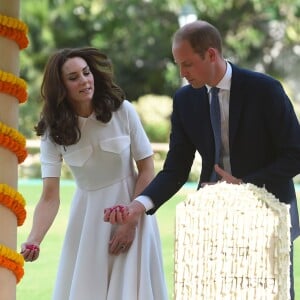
(212, 54)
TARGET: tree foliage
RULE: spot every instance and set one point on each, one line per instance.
(136, 34)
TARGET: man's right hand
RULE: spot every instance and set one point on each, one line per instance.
(124, 214)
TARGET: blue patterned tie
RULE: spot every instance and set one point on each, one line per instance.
(215, 117)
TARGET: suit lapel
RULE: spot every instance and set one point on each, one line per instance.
(204, 138)
(235, 104)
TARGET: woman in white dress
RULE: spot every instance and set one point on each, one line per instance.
(86, 122)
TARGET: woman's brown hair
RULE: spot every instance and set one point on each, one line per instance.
(58, 118)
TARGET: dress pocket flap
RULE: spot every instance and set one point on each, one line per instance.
(77, 158)
(115, 145)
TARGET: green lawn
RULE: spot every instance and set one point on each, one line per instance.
(40, 275)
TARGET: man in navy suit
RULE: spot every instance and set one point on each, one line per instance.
(260, 131)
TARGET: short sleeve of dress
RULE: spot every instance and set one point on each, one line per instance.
(140, 144)
(51, 159)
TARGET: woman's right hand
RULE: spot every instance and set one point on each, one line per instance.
(30, 251)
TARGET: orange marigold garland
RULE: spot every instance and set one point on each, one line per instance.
(13, 85)
(12, 260)
(13, 201)
(11, 139)
(15, 30)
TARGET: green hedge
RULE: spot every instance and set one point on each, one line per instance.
(155, 112)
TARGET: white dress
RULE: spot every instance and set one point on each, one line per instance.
(103, 168)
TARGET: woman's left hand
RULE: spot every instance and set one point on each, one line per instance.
(122, 239)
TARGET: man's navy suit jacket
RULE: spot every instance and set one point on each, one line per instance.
(264, 139)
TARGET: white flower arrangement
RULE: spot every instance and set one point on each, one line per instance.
(232, 242)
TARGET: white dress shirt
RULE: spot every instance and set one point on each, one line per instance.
(224, 96)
